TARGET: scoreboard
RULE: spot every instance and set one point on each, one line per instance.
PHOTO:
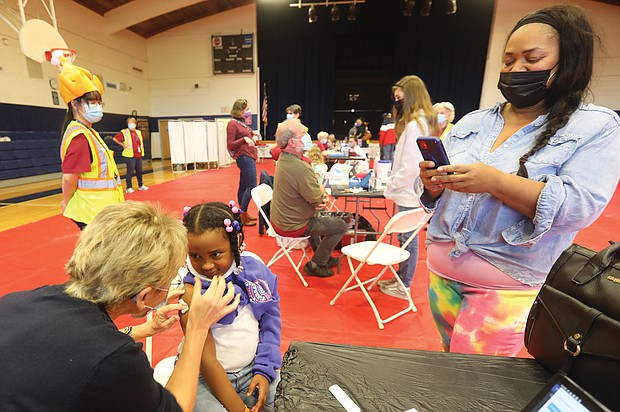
(233, 54)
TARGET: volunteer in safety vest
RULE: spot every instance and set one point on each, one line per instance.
(133, 148)
(90, 179)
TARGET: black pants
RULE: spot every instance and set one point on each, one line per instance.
(133, 164)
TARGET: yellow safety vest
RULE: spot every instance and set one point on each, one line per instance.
(99, 187)
(446, 131)
(128, 141)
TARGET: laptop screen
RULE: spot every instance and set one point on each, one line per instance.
(562, 394)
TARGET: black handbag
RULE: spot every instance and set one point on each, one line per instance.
(574, 323)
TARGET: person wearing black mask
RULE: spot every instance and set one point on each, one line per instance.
(414, 117)
(522, 183)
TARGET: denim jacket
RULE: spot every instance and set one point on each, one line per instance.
(580, 171)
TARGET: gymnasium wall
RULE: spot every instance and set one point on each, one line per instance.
(605, 17)
(173, 61)
(180, 58)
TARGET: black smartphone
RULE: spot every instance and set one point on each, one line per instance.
(432, 149)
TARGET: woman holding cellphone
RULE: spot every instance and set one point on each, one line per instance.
(522, 184)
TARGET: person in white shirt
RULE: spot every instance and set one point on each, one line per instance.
(414, 116)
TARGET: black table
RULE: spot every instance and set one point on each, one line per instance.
(356, 197)
(396, 380)
(334, 158)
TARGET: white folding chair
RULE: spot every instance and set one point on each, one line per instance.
(262, 195)
(331, 204)
(376, 252)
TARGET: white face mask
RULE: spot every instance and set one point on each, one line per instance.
(132, 126)
(290, 116)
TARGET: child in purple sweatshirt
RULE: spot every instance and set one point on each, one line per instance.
(247, 341)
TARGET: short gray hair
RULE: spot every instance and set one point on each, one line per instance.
(127, 247)
(285, 132)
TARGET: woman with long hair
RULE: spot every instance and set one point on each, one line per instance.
(414, 117)
(240, 142)
(525, 176)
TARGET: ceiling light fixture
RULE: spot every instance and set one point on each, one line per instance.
(299, 4)
(312, 14)
(352, 14)
(335, 13)
(426, 8)
(451, 7)
(408, 10)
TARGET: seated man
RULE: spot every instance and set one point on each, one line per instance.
(296, 196)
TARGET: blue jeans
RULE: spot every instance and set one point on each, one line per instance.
(133, 164)
(406, 269)
(247, 180)
(387, 152)
(205, 401)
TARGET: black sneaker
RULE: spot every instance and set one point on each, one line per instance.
(332, 261)
(320, 271)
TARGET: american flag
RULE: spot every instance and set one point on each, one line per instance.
(265, 105)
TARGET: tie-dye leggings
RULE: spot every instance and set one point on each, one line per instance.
(476, 320)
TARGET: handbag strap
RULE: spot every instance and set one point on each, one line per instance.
(597, 264)
(572, 344)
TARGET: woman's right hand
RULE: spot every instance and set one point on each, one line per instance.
(249, 140)
(214, 304)
(427, 171)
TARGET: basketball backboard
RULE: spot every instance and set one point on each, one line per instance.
(37, 36)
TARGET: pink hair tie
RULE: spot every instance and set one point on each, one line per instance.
(228, 225)
(186, 209)
(233, 208)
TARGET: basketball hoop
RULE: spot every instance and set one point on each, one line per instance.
(68, 54)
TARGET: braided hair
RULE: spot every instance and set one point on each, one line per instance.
(571, 81)
(210, 216)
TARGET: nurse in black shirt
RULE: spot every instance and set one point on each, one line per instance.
(61, 350)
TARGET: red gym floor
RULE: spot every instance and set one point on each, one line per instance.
(34, 254)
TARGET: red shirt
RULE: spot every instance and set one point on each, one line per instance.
(235, 142)
(276, 152)
(78, 156)
(387, 135)
(135, 142)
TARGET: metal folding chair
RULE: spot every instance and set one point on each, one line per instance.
(261, 195)
(378, 252)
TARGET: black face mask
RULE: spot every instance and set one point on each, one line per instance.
(398, 104)
(524, 89)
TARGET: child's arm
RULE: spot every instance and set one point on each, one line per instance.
(211, 369)
(268, 355)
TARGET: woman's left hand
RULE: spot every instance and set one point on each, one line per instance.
(260, 382)
(162, 320)
(469, 178)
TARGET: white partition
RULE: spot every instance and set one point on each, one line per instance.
(199, 134)
(212, 152)
(176, 137)
(189, 139)
(223, 155)
(198, 141)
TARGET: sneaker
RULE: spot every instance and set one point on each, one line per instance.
(312, 269)
(332, 261)
(143, 187)
(395, 290)
(130, 190)
(388, 282)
